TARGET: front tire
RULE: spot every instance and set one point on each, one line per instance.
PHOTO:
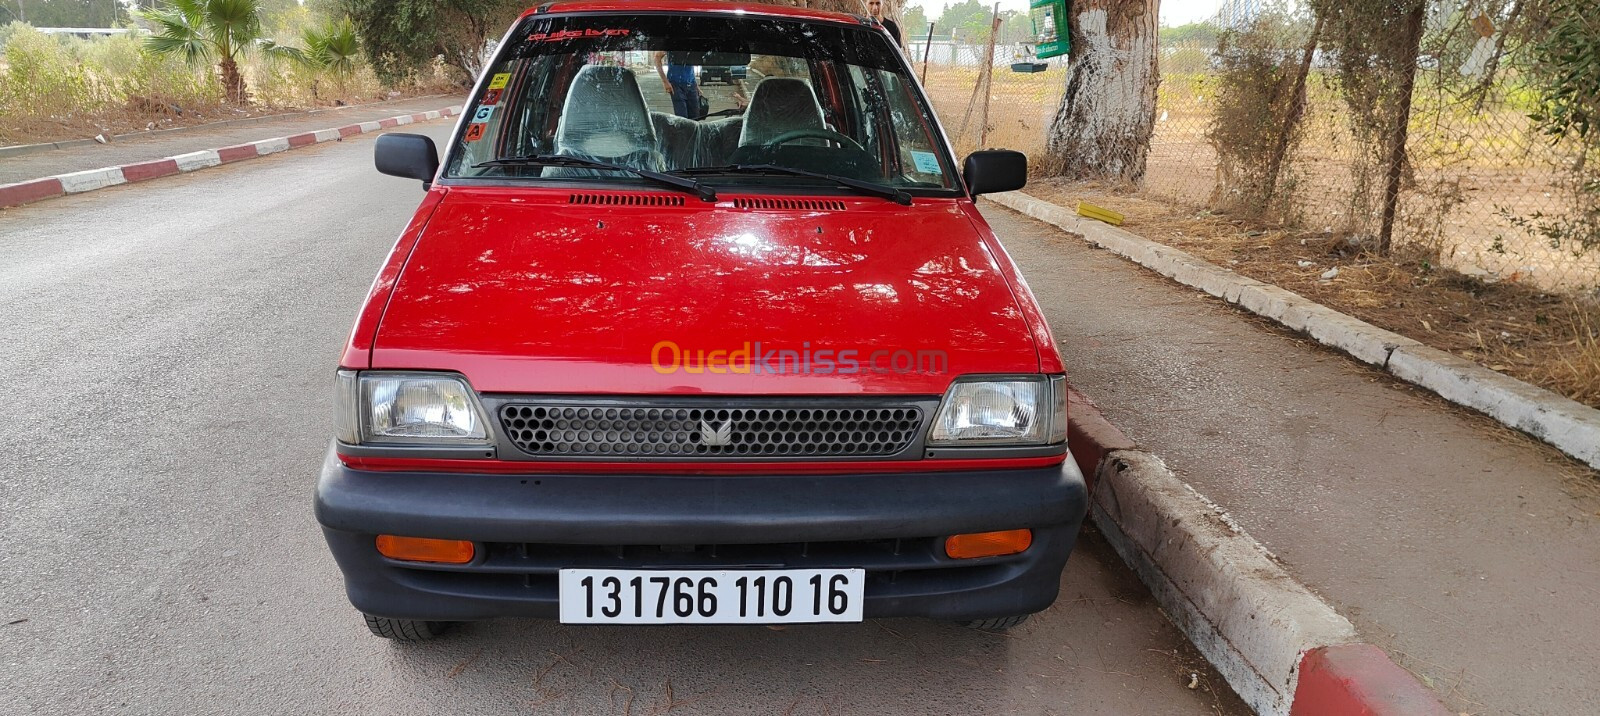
(998, 624)
(405, 629)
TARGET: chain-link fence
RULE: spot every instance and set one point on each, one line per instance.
(1024, 91)
(1480, 186)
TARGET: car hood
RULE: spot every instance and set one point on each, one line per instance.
(528, 292)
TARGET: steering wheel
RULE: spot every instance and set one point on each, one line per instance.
(815, 133)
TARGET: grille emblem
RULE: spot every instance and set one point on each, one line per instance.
(718, 437)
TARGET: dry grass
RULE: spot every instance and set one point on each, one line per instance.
(139, 117)
(1471, 172)
(1021, 106)
(1518, 329)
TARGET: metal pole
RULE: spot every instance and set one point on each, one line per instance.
(927, 45)
(988, 77)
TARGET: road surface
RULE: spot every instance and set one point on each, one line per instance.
(168, 350)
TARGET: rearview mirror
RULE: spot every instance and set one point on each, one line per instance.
(411, 156)
(994, 170)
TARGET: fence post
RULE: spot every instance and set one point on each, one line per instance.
(1397, 139)
(988, 77)
(927, 46)
(984, 73)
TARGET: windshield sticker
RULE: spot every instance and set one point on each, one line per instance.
(491, 97)
(487, 111)
(927, 162)
(560, 35)
(474, 133)
(500, 81)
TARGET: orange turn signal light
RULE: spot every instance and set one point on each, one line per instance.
(988, 544)
(422, 549)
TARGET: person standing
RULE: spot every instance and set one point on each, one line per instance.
(680, 83)
(875, 9)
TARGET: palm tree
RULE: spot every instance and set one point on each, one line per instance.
(206, 31)
(333, 48)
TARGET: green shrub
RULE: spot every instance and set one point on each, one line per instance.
(42, 78)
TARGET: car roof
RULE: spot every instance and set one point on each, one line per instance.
(693, 6)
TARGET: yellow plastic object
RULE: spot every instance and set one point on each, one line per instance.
(1099, 214)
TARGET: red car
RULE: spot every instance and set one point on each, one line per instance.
(767, 366)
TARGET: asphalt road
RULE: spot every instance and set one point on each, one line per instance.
(166, 353)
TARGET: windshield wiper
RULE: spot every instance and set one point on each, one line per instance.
(888, 192)
(561, 160)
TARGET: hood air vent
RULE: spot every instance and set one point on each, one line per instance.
(775, 203)
(628, 199)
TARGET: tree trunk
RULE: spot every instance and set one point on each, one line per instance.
(1297, 109)
(232, 80)
(1402, 121)
(1107, 114)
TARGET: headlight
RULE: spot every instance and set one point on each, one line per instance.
(426, 408)
(1002, 411)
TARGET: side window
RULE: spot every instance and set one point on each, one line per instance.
(919, 159)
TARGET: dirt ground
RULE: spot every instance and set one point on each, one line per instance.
(1546, 339)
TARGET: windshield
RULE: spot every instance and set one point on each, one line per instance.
(709, 96)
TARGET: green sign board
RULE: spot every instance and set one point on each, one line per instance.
(1050, 35)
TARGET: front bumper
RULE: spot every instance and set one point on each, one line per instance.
(528, 527)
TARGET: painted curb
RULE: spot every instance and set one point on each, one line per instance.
(27, 192)
(1091, 436)
(1359, 680)
(1570, 426)
(1278, 645)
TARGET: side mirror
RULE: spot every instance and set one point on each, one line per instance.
(411, 156)
(993, 170)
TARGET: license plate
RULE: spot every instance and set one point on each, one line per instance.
(731, 596)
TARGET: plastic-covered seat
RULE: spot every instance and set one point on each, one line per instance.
(780, 104)
(676, 139)
(605, 118)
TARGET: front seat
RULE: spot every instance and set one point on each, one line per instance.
(605, 118)
(781, 104)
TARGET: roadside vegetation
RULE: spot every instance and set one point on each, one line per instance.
(1431, 167)
(185, 62)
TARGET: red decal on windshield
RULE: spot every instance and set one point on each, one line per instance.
(491, 97)
(474, 133)
(560, 35)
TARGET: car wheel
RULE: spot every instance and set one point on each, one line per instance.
(405, 629)
(996, 625)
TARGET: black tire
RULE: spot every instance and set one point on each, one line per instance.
(405, 629)
(996, 625)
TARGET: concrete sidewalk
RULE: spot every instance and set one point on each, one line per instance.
(165, 144)
(1464, 549)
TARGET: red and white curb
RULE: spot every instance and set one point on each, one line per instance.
(93, 179)
(1570, 426)
(1280, 647)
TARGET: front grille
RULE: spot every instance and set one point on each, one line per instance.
(563, 429)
